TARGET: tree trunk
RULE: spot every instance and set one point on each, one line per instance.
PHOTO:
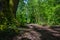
(8, 10)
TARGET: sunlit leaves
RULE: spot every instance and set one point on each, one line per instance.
(38, 11)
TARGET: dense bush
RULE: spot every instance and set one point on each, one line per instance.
(38, 11)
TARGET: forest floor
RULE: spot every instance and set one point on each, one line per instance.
(35, 33)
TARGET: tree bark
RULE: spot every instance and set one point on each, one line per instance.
(8, 9)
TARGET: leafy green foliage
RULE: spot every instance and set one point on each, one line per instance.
(38, 11)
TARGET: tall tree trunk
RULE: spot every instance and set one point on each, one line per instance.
(8, 9)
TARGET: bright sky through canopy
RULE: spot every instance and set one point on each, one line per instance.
(25, 1)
